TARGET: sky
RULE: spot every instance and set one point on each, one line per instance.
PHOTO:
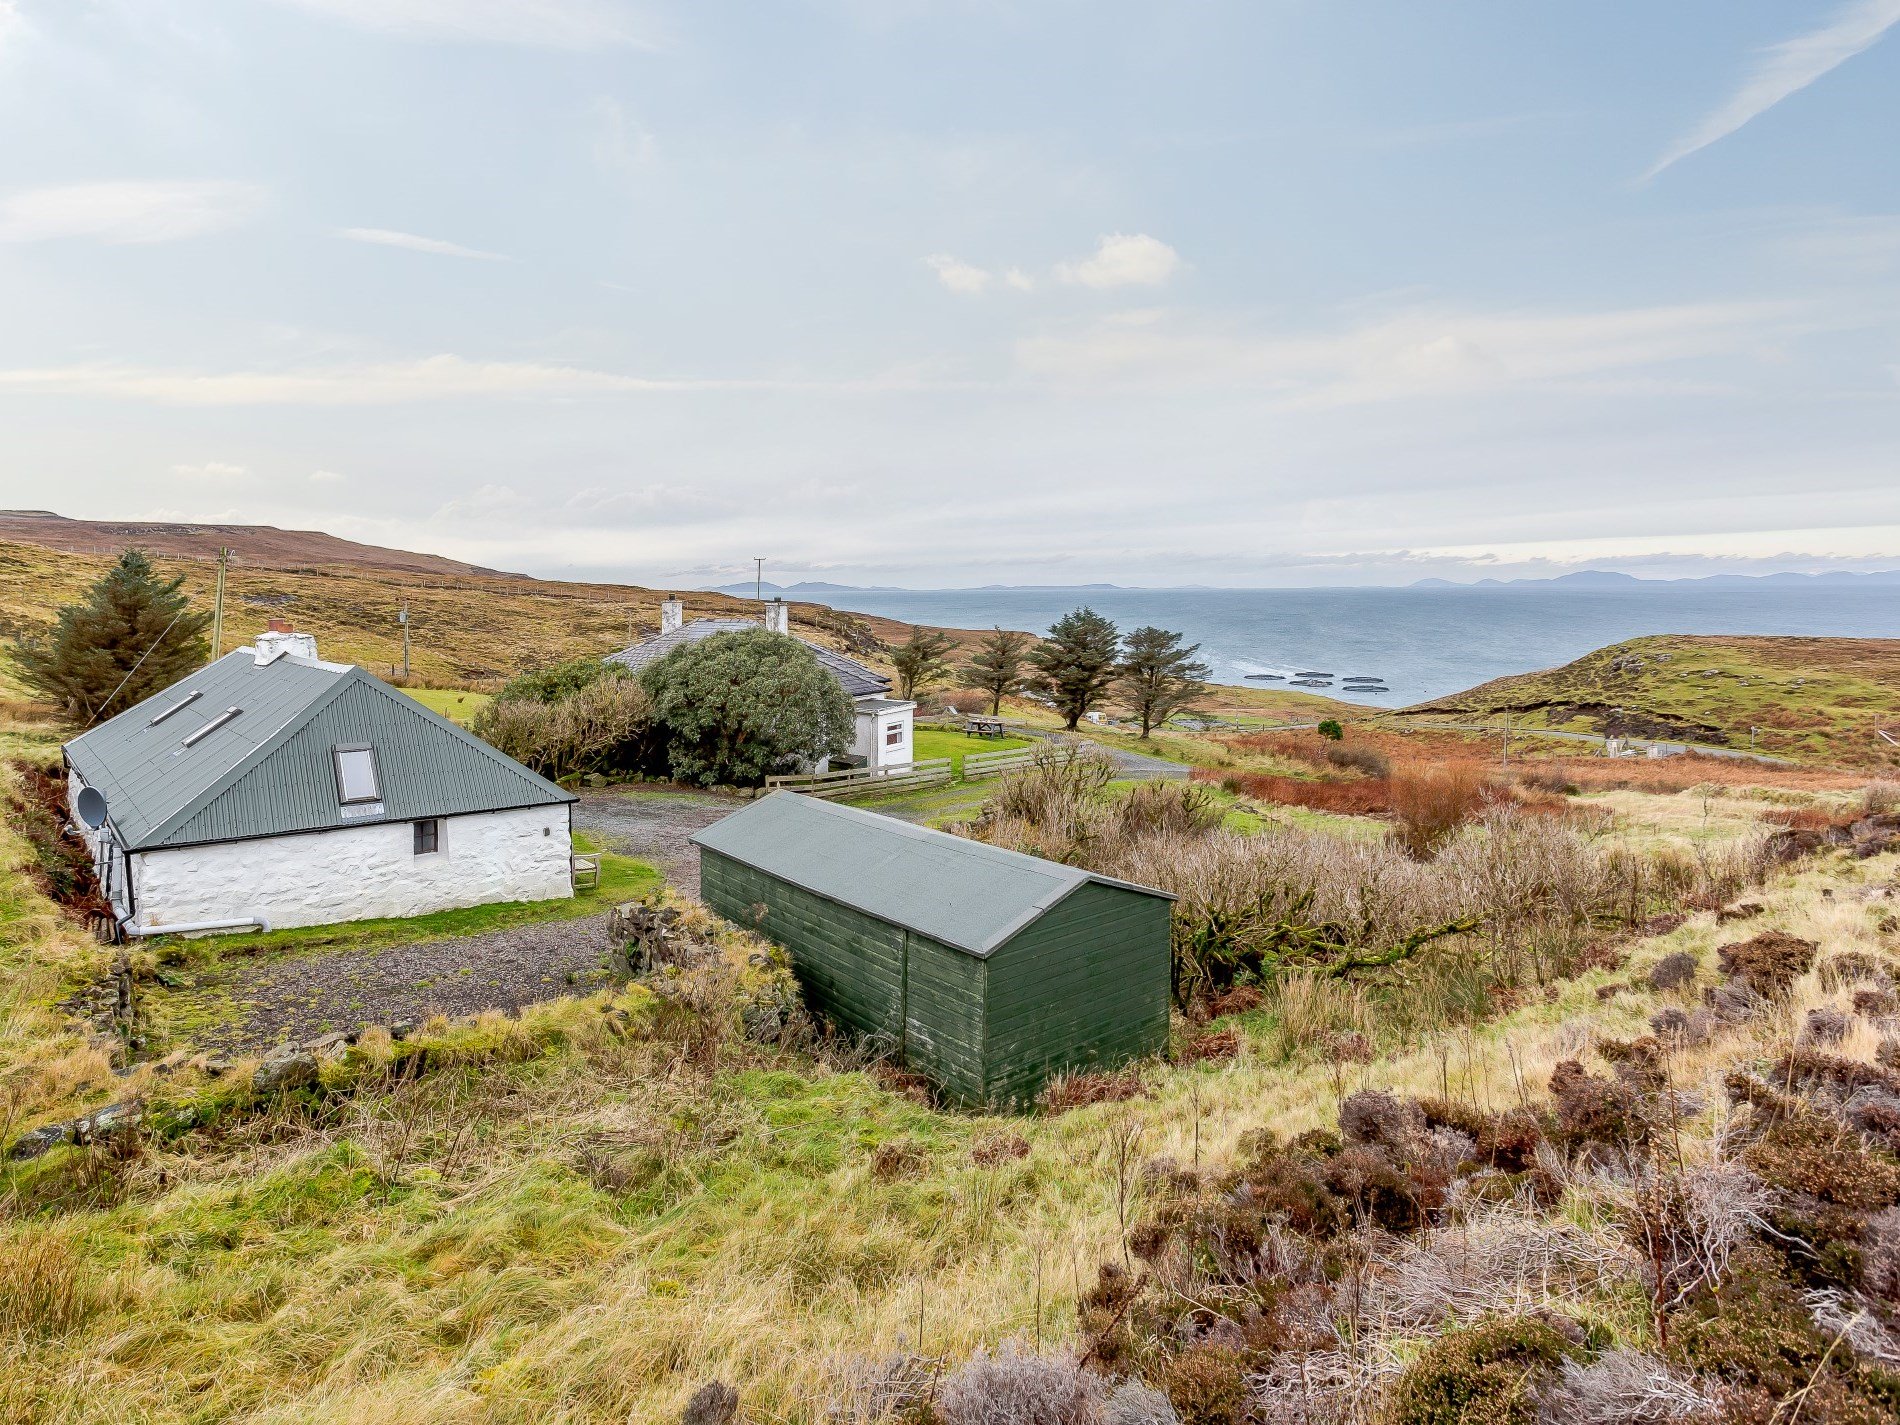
(949, 292)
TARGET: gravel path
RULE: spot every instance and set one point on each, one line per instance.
(655, 826)
(1127, 764)
(297, 997)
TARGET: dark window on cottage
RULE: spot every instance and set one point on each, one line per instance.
(356, 779)
(428, 836)
(894, 734)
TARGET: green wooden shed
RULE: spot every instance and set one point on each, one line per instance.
(986, 970)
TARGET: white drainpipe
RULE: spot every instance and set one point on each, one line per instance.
(192, 927)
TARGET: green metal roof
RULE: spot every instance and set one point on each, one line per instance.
(967, 894)
(270, 770)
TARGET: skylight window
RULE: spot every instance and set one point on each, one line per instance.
(356, 779)
(177, 707)
(193, 739)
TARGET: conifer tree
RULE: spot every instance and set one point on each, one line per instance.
(133, 635)
(1077, 662)
(1000, 665)
(921, 660)
(1158, 676)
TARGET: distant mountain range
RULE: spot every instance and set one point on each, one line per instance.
(1611, 579)
(811, 590)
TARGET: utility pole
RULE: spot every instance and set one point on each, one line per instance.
(217, 608)
(403, 619)
(1507, 739)
(758, 578)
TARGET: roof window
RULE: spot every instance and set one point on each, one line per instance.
(177, 707)
(356, 779)
(193, 739)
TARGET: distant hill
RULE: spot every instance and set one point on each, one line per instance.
(1615, 579)
(258, 544)
(1817, 699)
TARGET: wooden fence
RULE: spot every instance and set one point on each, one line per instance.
(850, 781)
(994, 764)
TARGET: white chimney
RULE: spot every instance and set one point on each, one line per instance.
(280, 638)
(778, 615)
(672, 614)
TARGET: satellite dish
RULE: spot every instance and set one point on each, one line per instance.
(92, 807)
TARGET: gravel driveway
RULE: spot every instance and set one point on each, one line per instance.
(297, 997)
(655, 826)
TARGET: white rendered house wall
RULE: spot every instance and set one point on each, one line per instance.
(359, 872)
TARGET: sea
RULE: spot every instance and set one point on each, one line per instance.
(1420, 643)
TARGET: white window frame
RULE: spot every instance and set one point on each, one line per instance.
(343, 797)
(894, 735)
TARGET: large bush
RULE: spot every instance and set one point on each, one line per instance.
(559, 680)
(736, 707)
(602, 728)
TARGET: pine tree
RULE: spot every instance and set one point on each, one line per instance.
(1077, 662)
(1158, 676)
(1000, 665)
(921, 660)
(134, 634)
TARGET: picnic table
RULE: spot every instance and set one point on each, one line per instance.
(984, 727)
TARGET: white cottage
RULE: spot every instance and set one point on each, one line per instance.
(881, 736)
(275, 789)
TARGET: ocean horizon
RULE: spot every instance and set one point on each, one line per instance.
(1422, 642)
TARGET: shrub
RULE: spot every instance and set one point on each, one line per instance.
(1330, 730)
(558, 680)
(1168, 808)
(1486, 1374)
(1361, 759)
(601, 727)
(1431, 805)
(1014, 1388)
(1877, 798)
(1769, 963)
(1806, 1153)
(1207, 1385)
(1673, 971)
(738, 706)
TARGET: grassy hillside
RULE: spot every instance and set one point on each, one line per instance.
(466, 631)
(1816, 699)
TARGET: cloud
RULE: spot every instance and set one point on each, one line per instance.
(1423, 351)
(12, 22)
(1019, 279)
(325, 477)
(961, 277)
(388, 238)
(1124, 260)
(211, 470)
(621, 144)
(127, 212)
(548, 24)
(1788, 68)
(433, 378)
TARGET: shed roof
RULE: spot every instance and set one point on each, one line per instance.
(967, 894)
(858, 681)
(268, 771)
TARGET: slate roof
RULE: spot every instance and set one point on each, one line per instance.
(966, 894)
(270, 770)
(857, 680)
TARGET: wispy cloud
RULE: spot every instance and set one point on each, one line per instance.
(1123, 260)
(549, 24)
(434, 378)
(964, 278)
(127, 212)
(11, 21)
(386, 237)
(1788, 68)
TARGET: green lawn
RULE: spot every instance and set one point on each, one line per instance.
(622, 878)
(927, 742)
(452, 703)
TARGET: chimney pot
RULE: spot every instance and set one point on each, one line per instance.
(280, 625)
